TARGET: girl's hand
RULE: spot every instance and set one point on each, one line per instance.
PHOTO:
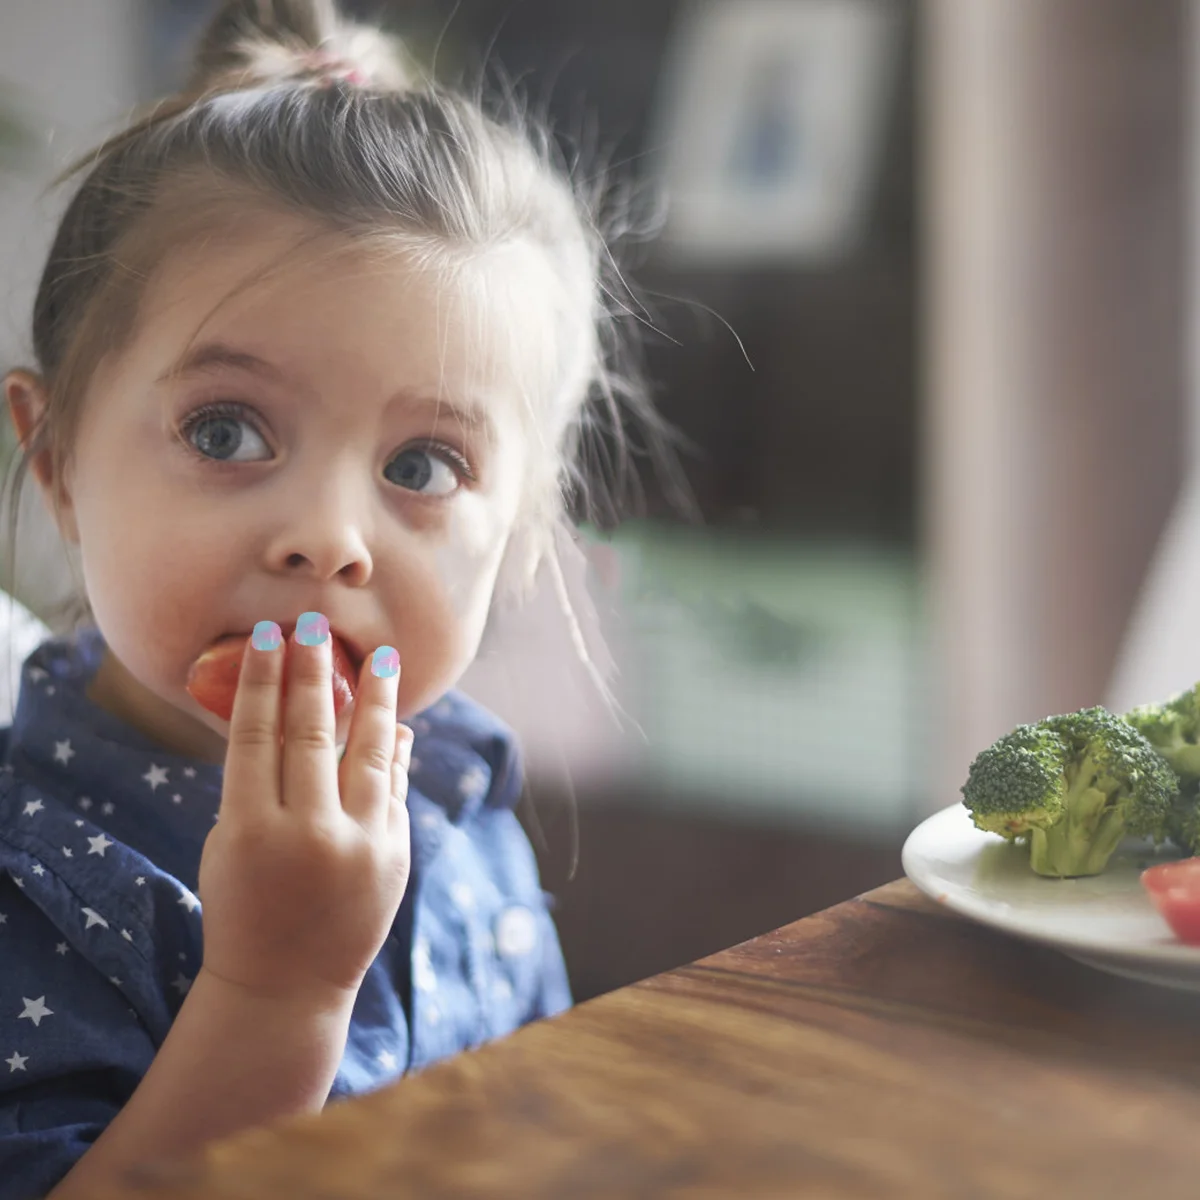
(301, 877)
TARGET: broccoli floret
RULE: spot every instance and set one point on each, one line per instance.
(1072, 786)
(1173, 729)
(1183, 822)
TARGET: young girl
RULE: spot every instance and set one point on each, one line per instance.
(315, 343)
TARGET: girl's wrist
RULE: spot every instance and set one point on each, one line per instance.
(318, 1002)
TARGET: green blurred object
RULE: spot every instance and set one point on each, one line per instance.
(16, 137)
(776, 678)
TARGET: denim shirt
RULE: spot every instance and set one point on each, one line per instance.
(101, 832)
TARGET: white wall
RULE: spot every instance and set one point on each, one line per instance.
(73, 68)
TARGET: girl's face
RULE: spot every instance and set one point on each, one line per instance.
(320, 431)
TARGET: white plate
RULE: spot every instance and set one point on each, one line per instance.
(1106, 921)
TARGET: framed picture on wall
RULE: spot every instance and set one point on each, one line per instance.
(770, 126)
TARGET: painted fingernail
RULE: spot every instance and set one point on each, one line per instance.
(266, 636)
(311, 629)
(385, 662)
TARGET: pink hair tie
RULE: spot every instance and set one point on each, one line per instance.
(330, 68)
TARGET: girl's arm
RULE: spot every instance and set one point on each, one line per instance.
(230, 1061)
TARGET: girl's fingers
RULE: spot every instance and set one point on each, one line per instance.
(310, 772)
(252, 760)
(365, 773)
(398, 808)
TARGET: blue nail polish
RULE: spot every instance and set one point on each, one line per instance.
(266, 636)
(385, 662)
(311, 629)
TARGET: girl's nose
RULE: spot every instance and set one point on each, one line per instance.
(323, 542)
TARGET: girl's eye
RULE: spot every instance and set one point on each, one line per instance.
(428, 470)
(219, 431)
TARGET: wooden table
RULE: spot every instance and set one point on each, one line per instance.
(884, 1048)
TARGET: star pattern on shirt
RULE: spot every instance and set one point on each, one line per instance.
(39, 870)
(94, 918)
(155, 776)
(387, 1060)
(189, 900)
(35, 1010)
(63, 752)
(32, 808)
(181, 983)
(37, 674)
(472, 781)
(98, 845)
(3, 918)
(16, 1062)
(61, 948)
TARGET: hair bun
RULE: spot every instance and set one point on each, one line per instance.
(255, 41)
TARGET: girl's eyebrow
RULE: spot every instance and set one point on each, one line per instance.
(215, 355)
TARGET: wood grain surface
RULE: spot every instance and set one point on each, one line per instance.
(882, 1048)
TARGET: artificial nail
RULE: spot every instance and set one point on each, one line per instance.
(266, 636)
(385, 662)
(311, 629)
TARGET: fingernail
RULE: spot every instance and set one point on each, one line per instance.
(385, 662)
(266, 636)
(405, 747)
(311, 629)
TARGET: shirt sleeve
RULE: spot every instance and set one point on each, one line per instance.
(72, 1050)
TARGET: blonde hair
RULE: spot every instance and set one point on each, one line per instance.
(291, 104)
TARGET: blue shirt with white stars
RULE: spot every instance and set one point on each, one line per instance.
(100, 926)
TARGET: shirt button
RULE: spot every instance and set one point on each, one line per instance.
(516, 932)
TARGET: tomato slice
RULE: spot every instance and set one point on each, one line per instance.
(213, 677)
(1174, 887)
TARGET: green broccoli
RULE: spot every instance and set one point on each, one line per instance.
(1173, 729)
(1072, 786)
(1183, 823)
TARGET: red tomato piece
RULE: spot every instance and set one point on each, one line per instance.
(1175, 889)
(213, 677)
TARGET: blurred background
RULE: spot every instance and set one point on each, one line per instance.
(922, 306)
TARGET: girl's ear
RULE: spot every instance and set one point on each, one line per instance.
(28, 402)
